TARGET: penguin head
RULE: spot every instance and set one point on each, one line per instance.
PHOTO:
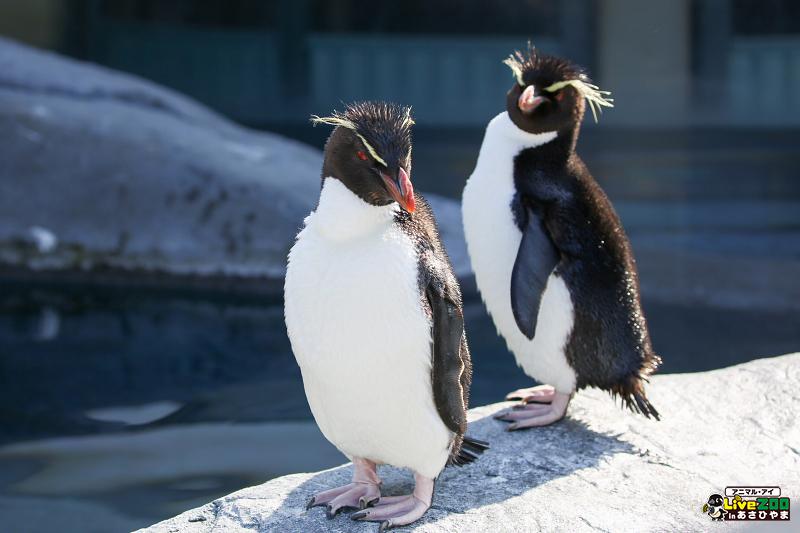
(550, 93)
(715, 500)
(369, 151)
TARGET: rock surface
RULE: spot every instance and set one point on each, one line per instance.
(601, 469)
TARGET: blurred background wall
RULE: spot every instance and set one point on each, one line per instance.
(270, 64)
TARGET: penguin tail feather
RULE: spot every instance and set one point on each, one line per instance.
(469, 451)
(632, 393)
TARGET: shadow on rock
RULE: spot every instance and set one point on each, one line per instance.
(515, 463)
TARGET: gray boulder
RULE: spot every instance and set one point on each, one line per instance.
(101, 171)
(601, 469)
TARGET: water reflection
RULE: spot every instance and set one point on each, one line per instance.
(143, 476)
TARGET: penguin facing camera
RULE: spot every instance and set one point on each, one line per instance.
(551, 259)
(375, 319)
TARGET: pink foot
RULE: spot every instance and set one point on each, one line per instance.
(362, 492)
(538, 394)
(394, 511)
(528, 415)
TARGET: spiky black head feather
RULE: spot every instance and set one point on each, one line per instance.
(384, 127)
(535, 68)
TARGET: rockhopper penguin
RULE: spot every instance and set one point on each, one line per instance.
(550, 257)
(375, 320)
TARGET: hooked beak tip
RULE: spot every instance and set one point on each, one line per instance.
(529, 100)
(401, 190)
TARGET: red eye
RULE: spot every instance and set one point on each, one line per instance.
(361, 155)
(560, 95)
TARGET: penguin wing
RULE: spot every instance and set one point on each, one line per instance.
(447, 320)
(536, 258)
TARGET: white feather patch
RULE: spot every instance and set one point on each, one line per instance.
(360, 335)
(493, 241)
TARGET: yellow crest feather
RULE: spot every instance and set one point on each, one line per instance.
(337, 120)
(596, 98)
(372, 151)
(515, 65)
(334, 120)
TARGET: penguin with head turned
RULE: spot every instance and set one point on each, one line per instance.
(374, 316)
(551, 259)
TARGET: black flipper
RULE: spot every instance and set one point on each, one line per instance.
(448, 329)
(536, 258)
(450, 374)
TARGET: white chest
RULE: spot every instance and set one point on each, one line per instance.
(493, 242)
(362, 339)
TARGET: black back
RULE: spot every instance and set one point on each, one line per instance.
(610, 345)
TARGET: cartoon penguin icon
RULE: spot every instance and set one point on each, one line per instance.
(714, 507)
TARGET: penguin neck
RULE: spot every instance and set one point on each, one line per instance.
(553, 147)
(503, 128)
(557, 153)
(341, 215)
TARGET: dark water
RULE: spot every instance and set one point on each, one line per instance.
(134, 407)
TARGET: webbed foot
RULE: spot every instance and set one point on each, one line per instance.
(361, 493)
(533, 413)
(394, 511)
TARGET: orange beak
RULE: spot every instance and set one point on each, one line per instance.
(401, 190)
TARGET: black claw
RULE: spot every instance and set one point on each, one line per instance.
(468, 455)
(330, 513)
(364, 504)
(358, 515)
(384, 526)
(310, 503)
(475, 445)
(476, 442)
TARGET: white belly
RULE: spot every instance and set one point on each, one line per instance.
(362, 340)
(493, 240)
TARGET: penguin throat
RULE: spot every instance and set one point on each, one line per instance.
(503, 126)
(341, 215)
